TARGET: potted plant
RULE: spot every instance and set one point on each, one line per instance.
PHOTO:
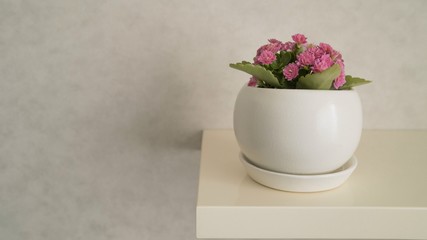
(298, 114)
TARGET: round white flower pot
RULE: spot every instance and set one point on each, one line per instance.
(297, 131)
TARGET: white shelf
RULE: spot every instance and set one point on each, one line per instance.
(385, 198)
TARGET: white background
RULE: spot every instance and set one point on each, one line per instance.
(102, 103)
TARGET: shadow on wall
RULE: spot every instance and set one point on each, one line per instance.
(170, 116)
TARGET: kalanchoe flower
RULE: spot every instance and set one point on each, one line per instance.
(288, 46)
(306, 58)
(273, 40)
(274, 47)
(300, 62)
(291, 71)
(266, 57)
(322, 63)
(326, 48)
(336, 55)
(299, 38)
(340, 80)
(316, 51)
(252, 82)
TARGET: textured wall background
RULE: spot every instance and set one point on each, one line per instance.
(103, 102)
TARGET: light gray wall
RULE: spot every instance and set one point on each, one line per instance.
(103, 102)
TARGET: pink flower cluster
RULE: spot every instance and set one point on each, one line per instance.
(252, 82)
(309, 57)
(266, 54)
(291, 71)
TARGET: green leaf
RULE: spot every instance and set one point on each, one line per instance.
(322, 80)
(285, 58)
(275, 65)
(257, 71)
(351, 82)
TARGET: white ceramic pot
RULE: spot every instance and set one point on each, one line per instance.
(298, 131)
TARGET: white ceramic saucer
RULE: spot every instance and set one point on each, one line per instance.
(300, 183)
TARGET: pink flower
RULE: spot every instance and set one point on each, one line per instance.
(326, 48)
(273, 40)
(260, 50)
(288, 46)
(274, 46)
(291, 71)
(266, 57)
(322, 63)
(299, 38)
(305, 58)
(316, 51)
(335, 55)
(252, 82)
(340, 80)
